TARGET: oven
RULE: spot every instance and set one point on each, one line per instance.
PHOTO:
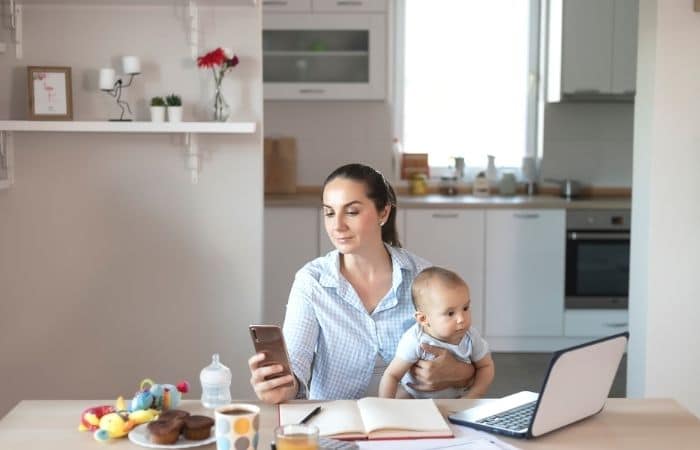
(597, 259)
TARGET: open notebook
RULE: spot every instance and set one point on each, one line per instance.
(371, 418)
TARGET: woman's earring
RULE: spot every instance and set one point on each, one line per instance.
(381, 224)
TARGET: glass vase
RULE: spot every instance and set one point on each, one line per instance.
(221, 108)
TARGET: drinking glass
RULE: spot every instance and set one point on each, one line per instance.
(296, 437)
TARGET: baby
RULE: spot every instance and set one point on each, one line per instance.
(443, 319)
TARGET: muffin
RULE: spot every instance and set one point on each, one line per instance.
(173, 414)
(165, 432)
(197, 427)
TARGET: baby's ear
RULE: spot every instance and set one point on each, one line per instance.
(421, 318)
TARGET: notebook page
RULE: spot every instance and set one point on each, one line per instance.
(401, 414)
(336, 417)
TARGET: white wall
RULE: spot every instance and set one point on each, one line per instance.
(590, 142)
(664, 291)
(332, 133)
(113, 267)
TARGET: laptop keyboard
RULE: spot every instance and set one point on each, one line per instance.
(513, 419)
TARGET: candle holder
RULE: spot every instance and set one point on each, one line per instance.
(131, 66)
(116, 92)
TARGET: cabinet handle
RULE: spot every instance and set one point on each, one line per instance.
(312, 91)
(616, 324)
(585, 92)
(445, 215)
(349, 3)
(526, 215)
(577, 235)
(275, 3)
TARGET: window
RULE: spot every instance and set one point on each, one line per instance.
(466, 81)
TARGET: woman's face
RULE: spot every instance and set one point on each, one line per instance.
(351, 219)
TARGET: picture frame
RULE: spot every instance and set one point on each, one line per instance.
(50, 93)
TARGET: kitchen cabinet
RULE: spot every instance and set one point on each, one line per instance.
(286, 6)
(335, 6)
(525, 251)
(453, 239)
(323, 6)
(592, 46)
(593, 323)
(285, 253)
(324, 56)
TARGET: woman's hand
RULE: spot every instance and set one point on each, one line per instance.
(275, 390)
(442, 372)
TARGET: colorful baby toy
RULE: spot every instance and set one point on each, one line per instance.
(109, 422)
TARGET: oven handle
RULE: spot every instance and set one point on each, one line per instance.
(577, 235)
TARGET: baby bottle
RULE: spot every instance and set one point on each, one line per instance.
(216, 384)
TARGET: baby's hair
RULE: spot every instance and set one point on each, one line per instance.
(422, 281)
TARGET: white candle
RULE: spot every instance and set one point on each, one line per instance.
(131, 65)
(106, 79)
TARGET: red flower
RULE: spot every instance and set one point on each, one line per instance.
(213, 58)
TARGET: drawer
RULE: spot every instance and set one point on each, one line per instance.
(337, 6)
(285, 6)
(595, 322)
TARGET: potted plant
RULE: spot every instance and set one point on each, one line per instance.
(174, 108)
(157, 109)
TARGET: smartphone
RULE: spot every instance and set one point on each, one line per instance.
(268, 339)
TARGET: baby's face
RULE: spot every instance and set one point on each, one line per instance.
(445, 312)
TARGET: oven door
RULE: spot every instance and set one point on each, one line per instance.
(597, 269)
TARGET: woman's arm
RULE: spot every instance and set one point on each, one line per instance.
(485, 372)
(442, 372)
(301, 334)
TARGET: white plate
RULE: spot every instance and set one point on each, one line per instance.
(140, 436)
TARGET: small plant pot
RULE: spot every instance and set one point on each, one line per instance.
(157, 113)
(174, 113)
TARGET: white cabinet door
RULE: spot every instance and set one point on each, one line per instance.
(324, 56)
(592, 323)
(286, 6)
(587, 46)
(453, 239)
(335, 6)
(285, 253)
(624, 52)
(525, 272)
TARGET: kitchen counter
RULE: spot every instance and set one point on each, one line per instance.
(432, 201)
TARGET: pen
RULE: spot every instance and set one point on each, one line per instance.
(310, 415)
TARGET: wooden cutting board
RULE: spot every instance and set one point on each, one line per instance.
(280, 165)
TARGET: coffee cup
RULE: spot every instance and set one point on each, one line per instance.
(237, 426)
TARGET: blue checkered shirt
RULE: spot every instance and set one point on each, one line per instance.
(332, 340)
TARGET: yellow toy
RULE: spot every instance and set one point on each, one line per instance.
(114, 422)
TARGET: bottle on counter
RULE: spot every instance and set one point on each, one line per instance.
(481, 185)
(396, 152)
(491, 171)
(216, 384)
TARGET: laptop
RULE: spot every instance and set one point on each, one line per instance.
(576, 387)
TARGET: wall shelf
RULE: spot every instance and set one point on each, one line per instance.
(129, 127)
(190, 131)
(137, 2)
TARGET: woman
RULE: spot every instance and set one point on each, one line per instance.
(348, 309)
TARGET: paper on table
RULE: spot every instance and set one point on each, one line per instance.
(465, 439)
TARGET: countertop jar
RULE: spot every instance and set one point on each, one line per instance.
(418, 184)
(448, 185)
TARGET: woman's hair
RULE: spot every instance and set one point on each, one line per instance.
(378, 190)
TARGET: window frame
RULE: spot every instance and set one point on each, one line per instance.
(534, 111)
